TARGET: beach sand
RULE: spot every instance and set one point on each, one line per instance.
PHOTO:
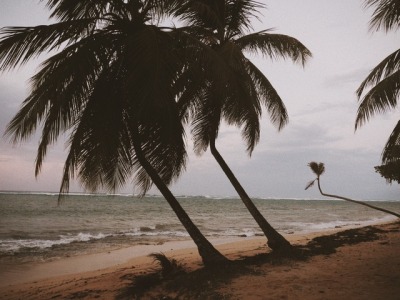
(358, 263)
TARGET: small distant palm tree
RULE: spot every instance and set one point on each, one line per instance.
(235, 90)
(110, 87)
(318, 169)
(384, 84)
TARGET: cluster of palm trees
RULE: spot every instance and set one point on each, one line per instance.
(123, 87)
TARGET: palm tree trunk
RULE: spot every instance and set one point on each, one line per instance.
(208, 253)
(275, 240)
(355, 201)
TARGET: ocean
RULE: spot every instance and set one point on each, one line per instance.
(34, 228)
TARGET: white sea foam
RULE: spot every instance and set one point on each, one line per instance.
(35, 222)
(13, 245)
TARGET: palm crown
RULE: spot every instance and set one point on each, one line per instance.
(111, 84)
(318, 169)
(235, 90)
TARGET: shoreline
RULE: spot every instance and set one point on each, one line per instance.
(78, 264)
(89, 269)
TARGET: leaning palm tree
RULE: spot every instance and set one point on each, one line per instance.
(236, 91)
(110, 87)
(384, 83)
(318, 169)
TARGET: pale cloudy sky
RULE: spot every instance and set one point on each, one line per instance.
(320, 100)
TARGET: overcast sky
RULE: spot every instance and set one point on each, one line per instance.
(320, 99)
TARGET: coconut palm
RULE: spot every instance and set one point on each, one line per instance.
(235, 91)
(384, 80)
(109, 85)
(318, 169)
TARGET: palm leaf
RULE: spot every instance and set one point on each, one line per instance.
(390, 171)
(200, 14)
(269, 97)
(64, 10)
(59, 92)
(242, 106)
(310, 184)
(387, 67)
(206, 120)
(386, 14)
(391, 152)
(20, 44)
(240, 13)
(379, 99)
(274, 46)
(100, 148)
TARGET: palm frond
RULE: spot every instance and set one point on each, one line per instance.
(59, 93)
(100, 145)
(242, 106)
(379, 99)
(102, 9)
(317, 168)
(199, 13)
(391, 152)
(310, 184)
(384, 69)
(231, 16)
(239, 14)
(64, 10)
(168, 266)
(206, 120)
(386, 14)
(390, 171)
(269, 97)
(274, 46)
(20, 44)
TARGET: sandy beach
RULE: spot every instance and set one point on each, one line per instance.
(357, 263)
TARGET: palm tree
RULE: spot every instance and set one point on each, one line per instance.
(384, 84)
(318, 169)
(235, 90)
(110, 87)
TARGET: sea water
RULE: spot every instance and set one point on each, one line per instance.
(33, 227)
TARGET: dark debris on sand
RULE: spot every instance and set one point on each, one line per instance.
(204, 283)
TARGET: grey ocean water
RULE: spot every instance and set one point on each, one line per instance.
(34, 228)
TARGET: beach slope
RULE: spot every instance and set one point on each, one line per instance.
(359, 263)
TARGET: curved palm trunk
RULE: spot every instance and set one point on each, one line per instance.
(275, 240)
(355, 201)
(208, 253)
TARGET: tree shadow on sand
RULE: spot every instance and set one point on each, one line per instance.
(203, 283)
